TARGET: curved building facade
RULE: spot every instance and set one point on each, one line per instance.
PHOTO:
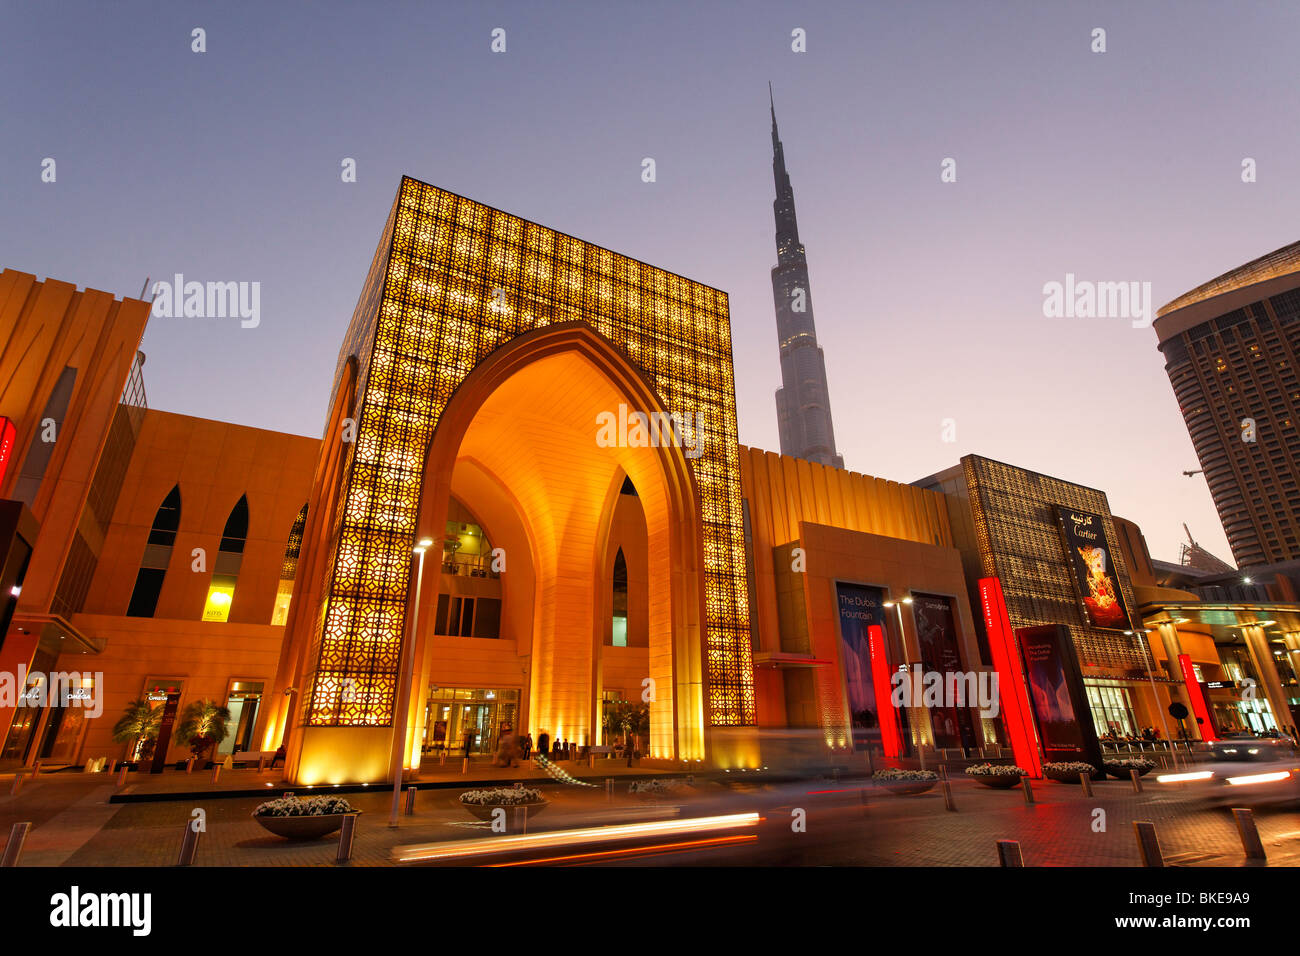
(1230, 348)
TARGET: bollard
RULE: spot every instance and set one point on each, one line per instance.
(36, 768)
(112, 767)
(14, 848)
(1009, 853)
(1148, 843)
(464, 765)
(609, 789)
(410, 801)
(520, 823)
(346, 836)
(591, 760)
(261, 762)
(1086, 780)
(216, 772)
(920, 751)
(947, 795)
(1028, 788)
(1249, 833)
(1137, 780)
(189, 845)
(442, 759)
(18, 784)
(189, 765)
(121, 775)
(943, 771)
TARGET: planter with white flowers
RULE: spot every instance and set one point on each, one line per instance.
(905, 782)
(483, 803)
(303, 818)
(997, 776)
(1120, 766)
(1068, 771)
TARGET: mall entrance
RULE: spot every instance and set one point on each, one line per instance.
(451, 714)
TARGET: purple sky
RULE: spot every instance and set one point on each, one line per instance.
(928, 296)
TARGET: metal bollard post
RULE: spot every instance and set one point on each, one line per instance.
(18, 784)
(920, 751)
(464, 765)
(1009, 853)
(410, 801)
(947, 796)
(1137, 780)
(1148, 843)
(121, 775)
(189, 845)
(261, 762)
(36, 768)
(609, 789)
(1086, 780)
(189, 765)
(216, 772)
(591, 760)
(346, 837)
(1028, 788)
(14, 848)
(112, 766)
(442, 759)
(1249, 833)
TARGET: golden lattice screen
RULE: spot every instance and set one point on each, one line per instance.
(460, 280)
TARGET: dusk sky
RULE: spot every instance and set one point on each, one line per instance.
(928, 296)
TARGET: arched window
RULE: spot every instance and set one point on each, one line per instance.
(157, 555)
(221, 592)
(618, 630)
(289, 568)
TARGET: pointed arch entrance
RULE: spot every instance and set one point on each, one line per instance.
(528, 417)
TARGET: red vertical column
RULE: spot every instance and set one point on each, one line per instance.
(880, 680)
(1199, 708)
(1016, 712)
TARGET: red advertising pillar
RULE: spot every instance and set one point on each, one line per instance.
(1016, 714)
(880, 678)
(1199, 709)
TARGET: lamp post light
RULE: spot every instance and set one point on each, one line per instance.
(408, 678)
(1141, 635)
(902, 638)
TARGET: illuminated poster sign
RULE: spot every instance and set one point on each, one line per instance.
(165, 731)
(861, 609)
(7, 436)
(1056, 694)
(1089, 555)
(936, 633)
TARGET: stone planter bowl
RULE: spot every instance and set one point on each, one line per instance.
(1121, 773)
(906, 788)
(305, 827)
(483, 811)
(998, 781)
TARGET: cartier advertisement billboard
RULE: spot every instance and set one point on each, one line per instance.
(1091, 560)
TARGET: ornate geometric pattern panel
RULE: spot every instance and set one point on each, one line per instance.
(463, 279)
(1020, 543)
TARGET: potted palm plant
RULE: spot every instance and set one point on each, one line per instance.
(138, 726)
(203, 725)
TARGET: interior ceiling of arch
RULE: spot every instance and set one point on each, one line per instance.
(537, 433)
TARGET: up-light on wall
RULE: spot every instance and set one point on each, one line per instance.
(452, 281)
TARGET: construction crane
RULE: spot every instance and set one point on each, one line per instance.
(1189, 474)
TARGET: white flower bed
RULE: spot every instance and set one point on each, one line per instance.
(1069, 768)
(303, 807)
(501, 796)
(995, 770)
(894, 775)
(1130, 763)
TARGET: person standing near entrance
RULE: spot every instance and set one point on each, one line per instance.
(543, 743)
(469, 742)
(526, 747)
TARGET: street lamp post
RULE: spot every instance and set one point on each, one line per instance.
(408, 678)
(902, 640)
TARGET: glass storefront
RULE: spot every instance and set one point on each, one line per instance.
(1112, 708)
(453, 713)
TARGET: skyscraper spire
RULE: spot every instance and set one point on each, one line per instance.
(803, 407)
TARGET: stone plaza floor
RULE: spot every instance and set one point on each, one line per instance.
(847, 822)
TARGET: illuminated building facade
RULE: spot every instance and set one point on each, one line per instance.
(449, 376)
(1231, 349)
